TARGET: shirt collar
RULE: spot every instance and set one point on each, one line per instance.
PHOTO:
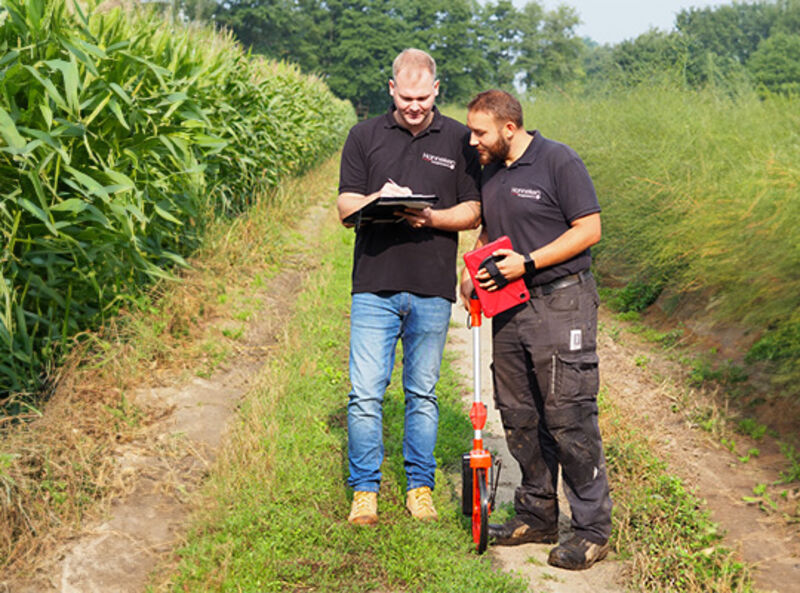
(529, 156)
(436, 124)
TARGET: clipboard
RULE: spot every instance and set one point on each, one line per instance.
(510, 295)
(382, 210)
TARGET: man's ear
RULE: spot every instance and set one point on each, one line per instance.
(509, 129)
(436, 88)
(391, 87)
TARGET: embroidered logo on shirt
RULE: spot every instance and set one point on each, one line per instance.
(524, 192)
(439, 160)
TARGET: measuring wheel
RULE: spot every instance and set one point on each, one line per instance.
(480, 515)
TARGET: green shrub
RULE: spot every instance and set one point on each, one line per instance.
(120, 136)
(635, 297)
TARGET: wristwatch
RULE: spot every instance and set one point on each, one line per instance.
(530, 265)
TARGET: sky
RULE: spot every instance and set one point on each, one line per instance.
(612, 21)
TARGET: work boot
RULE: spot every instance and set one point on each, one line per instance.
(420, 504)
(365, 508)
(516, 531)
(577, 553)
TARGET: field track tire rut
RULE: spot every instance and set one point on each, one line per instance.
(141, 529)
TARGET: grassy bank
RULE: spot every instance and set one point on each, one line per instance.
(699, 197)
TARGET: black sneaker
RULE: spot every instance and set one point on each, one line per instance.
(577, 553)
(516, 531)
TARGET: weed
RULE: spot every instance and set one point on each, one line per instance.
(641, 360)
(535, 561)
(665, 339)
(707, 418)
(780, 345)
(634, 297)
(124, 412)
(762, 498)
(751, 452)
(234, 334)
(793, 473)
(214, 353)
(703, 371)
(751, 428)
(629, 316)
(243, 315)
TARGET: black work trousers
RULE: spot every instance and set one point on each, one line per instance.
(545, 385)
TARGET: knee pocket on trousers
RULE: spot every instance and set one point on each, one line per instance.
(575, 431)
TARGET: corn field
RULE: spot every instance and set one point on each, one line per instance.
(120, 137)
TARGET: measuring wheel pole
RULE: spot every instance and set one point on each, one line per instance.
(480, 459)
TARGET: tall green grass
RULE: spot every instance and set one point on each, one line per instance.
(699, 191)
(120, 137)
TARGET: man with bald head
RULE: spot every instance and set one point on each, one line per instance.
(404, 274)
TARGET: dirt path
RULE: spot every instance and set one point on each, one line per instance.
(652, 395)
(712, 471)
(142, 528)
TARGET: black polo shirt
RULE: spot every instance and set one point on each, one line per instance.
(394, 256)
(535, 199)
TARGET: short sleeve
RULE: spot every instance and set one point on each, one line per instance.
(353, 166)
(576, 193)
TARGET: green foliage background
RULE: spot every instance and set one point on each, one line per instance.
(120, 137)
(479, 45)
(352, 42)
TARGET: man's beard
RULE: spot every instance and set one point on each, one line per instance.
(498, 151)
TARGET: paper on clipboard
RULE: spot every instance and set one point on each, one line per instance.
(383, 209)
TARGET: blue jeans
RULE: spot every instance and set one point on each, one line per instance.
(377, 321)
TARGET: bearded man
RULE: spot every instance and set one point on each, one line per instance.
(539, 194)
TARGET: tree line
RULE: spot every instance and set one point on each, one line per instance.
(351, 43)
